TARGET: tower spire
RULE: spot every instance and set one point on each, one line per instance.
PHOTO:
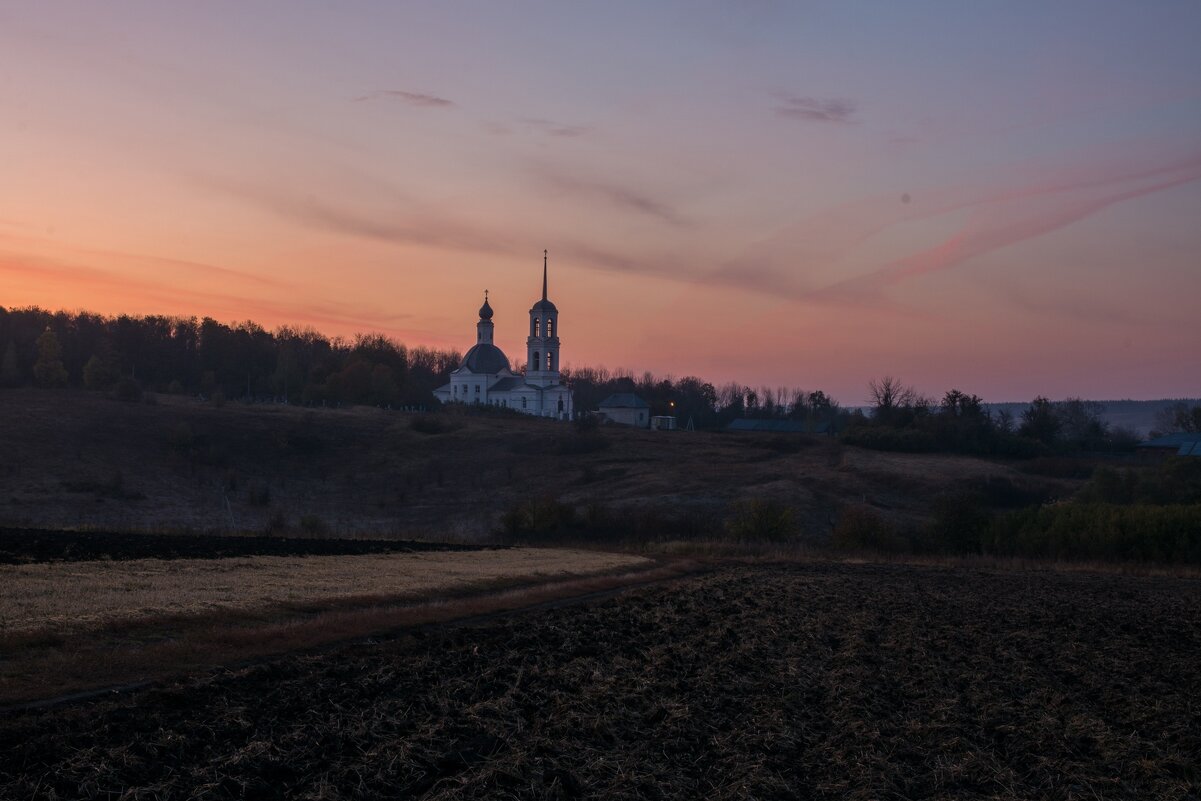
(544, 274)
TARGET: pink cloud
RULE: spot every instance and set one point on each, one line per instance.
(1023, 202)
(1019, 215)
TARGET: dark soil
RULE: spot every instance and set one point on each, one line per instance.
(33, 545)
(806, 681)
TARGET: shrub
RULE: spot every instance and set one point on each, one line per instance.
(1173, 481)
(582, 443)
(860, 528)
(1002, 492)
(959, 523)
(129, 390)
(885, 438)
(537, 518)
(313, 525)
(431, 424)
(277, 523)
(99, 373)
(1017, 447)
(1100, 531)
(1059, 467)
(782, 444)
(180, 436)
(760, 519)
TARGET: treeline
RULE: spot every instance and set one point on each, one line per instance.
(903, 420)
(203, 356)
(706, 404)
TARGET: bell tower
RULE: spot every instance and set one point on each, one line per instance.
(542, 345)
(483, 329)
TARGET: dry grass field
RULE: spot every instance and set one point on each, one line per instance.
(67, 626)
(65, 597)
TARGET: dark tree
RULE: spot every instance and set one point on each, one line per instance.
(48, 370)
(1040, 422)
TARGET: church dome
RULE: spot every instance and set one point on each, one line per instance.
(485, 358)
(485, 311)
(544, 305)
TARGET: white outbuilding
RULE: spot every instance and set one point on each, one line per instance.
(627, 409)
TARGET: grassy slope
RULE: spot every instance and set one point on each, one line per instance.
(74, 459)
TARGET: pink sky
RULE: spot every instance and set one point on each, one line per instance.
(1004, 201)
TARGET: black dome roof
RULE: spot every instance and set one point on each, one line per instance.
(485, 311)
(485, 358)
(544, 305)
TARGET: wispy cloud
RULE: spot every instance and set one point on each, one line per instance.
(817, 109)
(390, 218)
(170, 297)
(1021, 205)
(160, 264)
(1018, 215)
(418, 99)
(817, 242)
(552, 128)
(620, 197)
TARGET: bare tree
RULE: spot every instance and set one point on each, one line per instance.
(889, 393)
(1178, 417)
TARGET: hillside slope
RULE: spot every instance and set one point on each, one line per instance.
(75, 459)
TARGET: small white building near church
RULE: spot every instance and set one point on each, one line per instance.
(484, 377)
(627, 409)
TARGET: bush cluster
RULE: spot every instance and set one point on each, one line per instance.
(1151, 514)
(1100, 531)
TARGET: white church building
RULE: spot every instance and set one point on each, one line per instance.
(484, 377)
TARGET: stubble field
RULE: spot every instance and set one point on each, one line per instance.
(75, 625)
(66, 597)
(772, 681)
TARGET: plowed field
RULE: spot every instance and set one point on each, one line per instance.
(801, 681)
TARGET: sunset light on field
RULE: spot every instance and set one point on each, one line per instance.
(1002, 198)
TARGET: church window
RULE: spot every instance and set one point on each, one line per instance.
(536, 361)
(523, 404)
(477, 389)
(560, 405)
(534, 328)
(550, 327)
(549, 363)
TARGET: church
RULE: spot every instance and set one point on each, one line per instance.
(484, 377)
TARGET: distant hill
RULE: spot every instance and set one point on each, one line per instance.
(75, 459)
(1138, 416)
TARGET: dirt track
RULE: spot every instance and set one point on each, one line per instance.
(825, 681)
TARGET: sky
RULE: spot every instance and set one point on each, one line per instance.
(1004, 197)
